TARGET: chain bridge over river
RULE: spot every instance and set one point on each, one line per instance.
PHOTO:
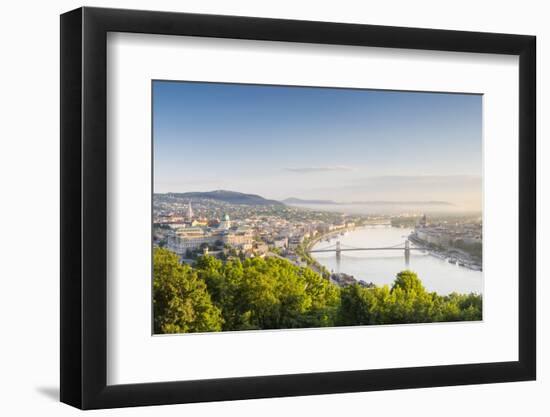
(338, 248)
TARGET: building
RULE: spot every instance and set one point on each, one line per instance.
(225, 224)
(181, 245)
(422, 222)
(280, 243)
(199, 222)
(193, 238)
(435, 236)
(242, 241)
(261, 248)
(295, 241)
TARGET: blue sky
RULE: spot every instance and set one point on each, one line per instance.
(339, 144)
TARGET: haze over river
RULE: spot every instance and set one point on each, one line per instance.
(380, 267)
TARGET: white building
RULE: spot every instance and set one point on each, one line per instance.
(225, 224)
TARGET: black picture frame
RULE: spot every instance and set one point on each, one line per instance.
(84, 207)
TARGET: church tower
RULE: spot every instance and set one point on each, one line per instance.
(190, 211)
(423, 221)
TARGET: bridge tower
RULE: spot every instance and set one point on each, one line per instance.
(338, 250)
(407, 252)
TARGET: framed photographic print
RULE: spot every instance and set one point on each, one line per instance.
(258, 207)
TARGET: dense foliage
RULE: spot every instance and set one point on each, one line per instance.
(273, 293)
(268, 294)
(406, 301)
(181, 302)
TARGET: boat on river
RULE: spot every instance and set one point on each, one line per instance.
(438, 255)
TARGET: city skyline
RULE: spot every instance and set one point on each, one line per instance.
(318, 143)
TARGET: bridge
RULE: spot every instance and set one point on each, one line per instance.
(339, 248)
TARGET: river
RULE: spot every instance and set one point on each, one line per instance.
(380, 267)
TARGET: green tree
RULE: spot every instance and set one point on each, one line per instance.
(268, 293)
(411, 302)
(409, 282)
(181, 303)
(362, 306)
(406, 302)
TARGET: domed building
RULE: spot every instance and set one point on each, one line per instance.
(225, 224)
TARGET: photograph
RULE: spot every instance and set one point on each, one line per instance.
(288, 207)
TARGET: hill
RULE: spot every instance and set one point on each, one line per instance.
(231, 197)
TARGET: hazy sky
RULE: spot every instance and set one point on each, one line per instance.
(317, 143)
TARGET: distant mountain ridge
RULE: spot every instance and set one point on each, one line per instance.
(294, 200)
(298, 201)
(235, 197)
(232, 197)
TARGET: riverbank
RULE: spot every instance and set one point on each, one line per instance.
(340, 279)
(328, 235)
(303, 251)
(454, 256)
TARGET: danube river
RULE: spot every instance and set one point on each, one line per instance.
(380, 267)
